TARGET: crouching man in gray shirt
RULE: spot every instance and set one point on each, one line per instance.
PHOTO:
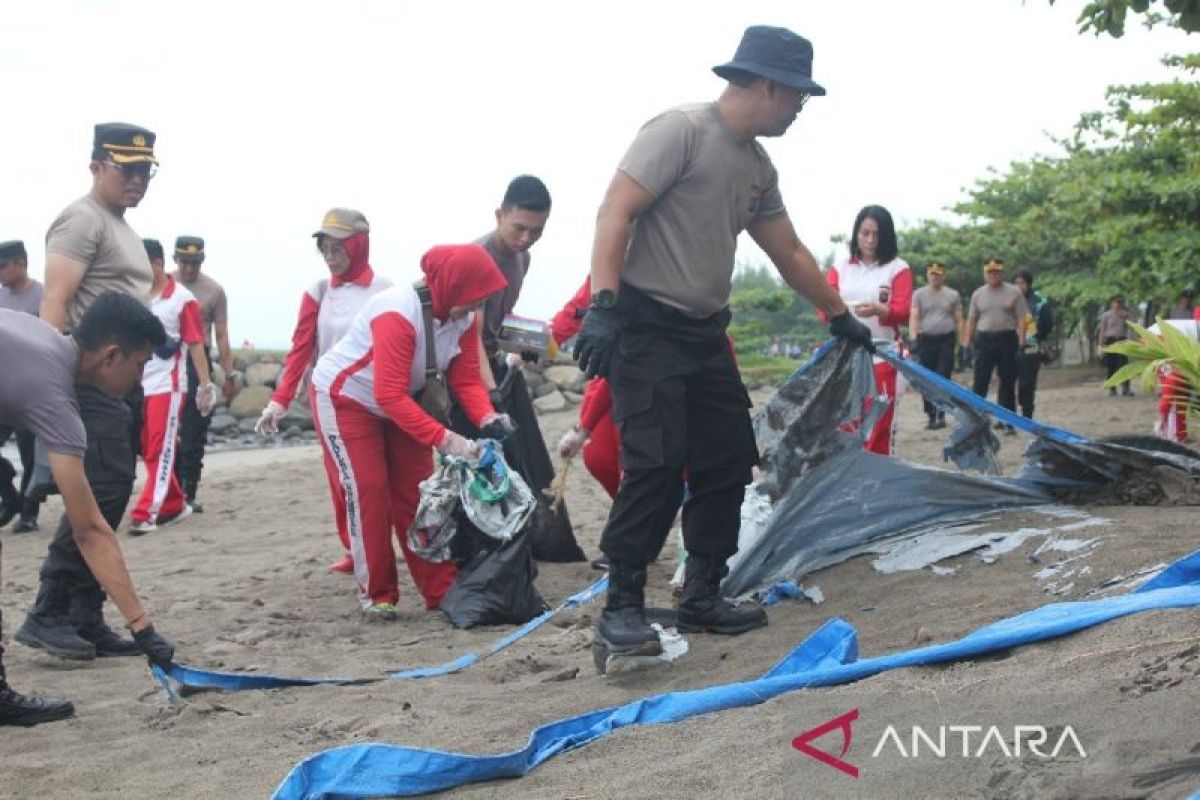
(107, 349)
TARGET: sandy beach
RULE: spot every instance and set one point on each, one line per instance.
(243, 586)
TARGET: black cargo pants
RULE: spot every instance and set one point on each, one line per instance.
(68, 592)
(997, 351)
(935, 351)
(678, 402)
(193, 435)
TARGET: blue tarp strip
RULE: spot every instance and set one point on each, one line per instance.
(828, 657)
(196, 678)
(969, 398)
(468, 659)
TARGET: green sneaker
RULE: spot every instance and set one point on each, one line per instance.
(380, 612)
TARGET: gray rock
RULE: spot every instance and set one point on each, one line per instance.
(568, 378)
(534, 379)
(293, 432)
(297, 416)
(550, 403)
(247, 425)
(250, 402)
(545, 389)
(221, 423)
(262, 374)
(573, 398)
(310, 436)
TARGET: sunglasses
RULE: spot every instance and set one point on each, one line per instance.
(142, 169)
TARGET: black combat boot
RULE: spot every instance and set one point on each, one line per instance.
(56, 638)
(622, 629)
(17, 709)
(87, 617)
(703, 609)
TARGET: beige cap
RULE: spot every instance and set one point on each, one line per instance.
(342, 223)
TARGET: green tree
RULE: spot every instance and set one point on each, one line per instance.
(1108, 16)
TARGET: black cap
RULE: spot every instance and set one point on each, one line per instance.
(123, 143)
(154, 249)
(189, 248)
(11, 250)
(777, 54)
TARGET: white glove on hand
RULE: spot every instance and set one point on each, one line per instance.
(572, 442)
(268, 423)
(455, 445)
(514, 360)
(206, 398)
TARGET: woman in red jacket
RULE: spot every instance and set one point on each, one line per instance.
(876, 284)
(595, 433)
(376, 436)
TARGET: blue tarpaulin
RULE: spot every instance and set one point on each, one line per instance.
(827, 657)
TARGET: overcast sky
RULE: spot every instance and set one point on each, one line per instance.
(269, 113)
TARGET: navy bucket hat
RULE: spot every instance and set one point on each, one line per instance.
(776, 54)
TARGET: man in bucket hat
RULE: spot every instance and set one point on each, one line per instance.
(693, 179)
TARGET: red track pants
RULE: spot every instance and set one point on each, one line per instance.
(161, 496)
(378, 469)
(880, 440)
(601, 454)
(1172, 405)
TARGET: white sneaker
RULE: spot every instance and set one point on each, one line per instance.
(139, 527)
(182, 515)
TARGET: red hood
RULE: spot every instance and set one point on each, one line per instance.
(460, 275)
(358, 247)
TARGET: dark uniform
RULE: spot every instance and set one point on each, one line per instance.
(193, 426)
(678, 399)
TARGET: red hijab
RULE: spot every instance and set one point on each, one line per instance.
(358, 247)
(459, 275)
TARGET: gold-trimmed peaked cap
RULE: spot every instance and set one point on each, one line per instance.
(122, 143)
(342, 223)
(189, 248)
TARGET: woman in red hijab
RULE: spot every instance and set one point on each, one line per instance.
(378, 438)
(326, 311)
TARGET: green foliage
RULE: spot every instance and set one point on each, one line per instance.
(1108, 16)
(1150, 352)
(764, 310)
(1115, 213)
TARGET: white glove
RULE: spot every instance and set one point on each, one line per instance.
(514, 360)
(268, 423)
(456, 445)
(572, 442)
(206, 398)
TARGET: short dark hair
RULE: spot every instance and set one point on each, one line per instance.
(118, 318)
(527, 192)
(1025, 275)
(888, 249)
(154, 249)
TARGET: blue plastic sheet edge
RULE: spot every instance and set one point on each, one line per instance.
(828, 657)
(188, 678)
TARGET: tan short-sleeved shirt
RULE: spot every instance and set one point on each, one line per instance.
(936, 309)
(214, 308)
(708, 187)
(999, 309)
(115, 257)
(1114, 325)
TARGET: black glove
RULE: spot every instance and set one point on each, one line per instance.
(530, 356)
(845, 326)
(596, 343)
(158, 650)
(500, 429)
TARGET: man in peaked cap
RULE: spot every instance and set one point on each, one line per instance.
(18, 292)
(694, 178)
(91, 250)
(214, 309)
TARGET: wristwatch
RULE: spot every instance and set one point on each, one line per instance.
(605, 298)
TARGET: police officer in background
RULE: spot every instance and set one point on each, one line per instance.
(214, 308)
(18, 292)
(91, 249)
(692, 180)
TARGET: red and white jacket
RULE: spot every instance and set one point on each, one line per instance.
(179, 312)
(857, 282)
(326, 311)
(380, 364)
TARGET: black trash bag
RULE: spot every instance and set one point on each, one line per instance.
(495, 584)
(553, 538)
